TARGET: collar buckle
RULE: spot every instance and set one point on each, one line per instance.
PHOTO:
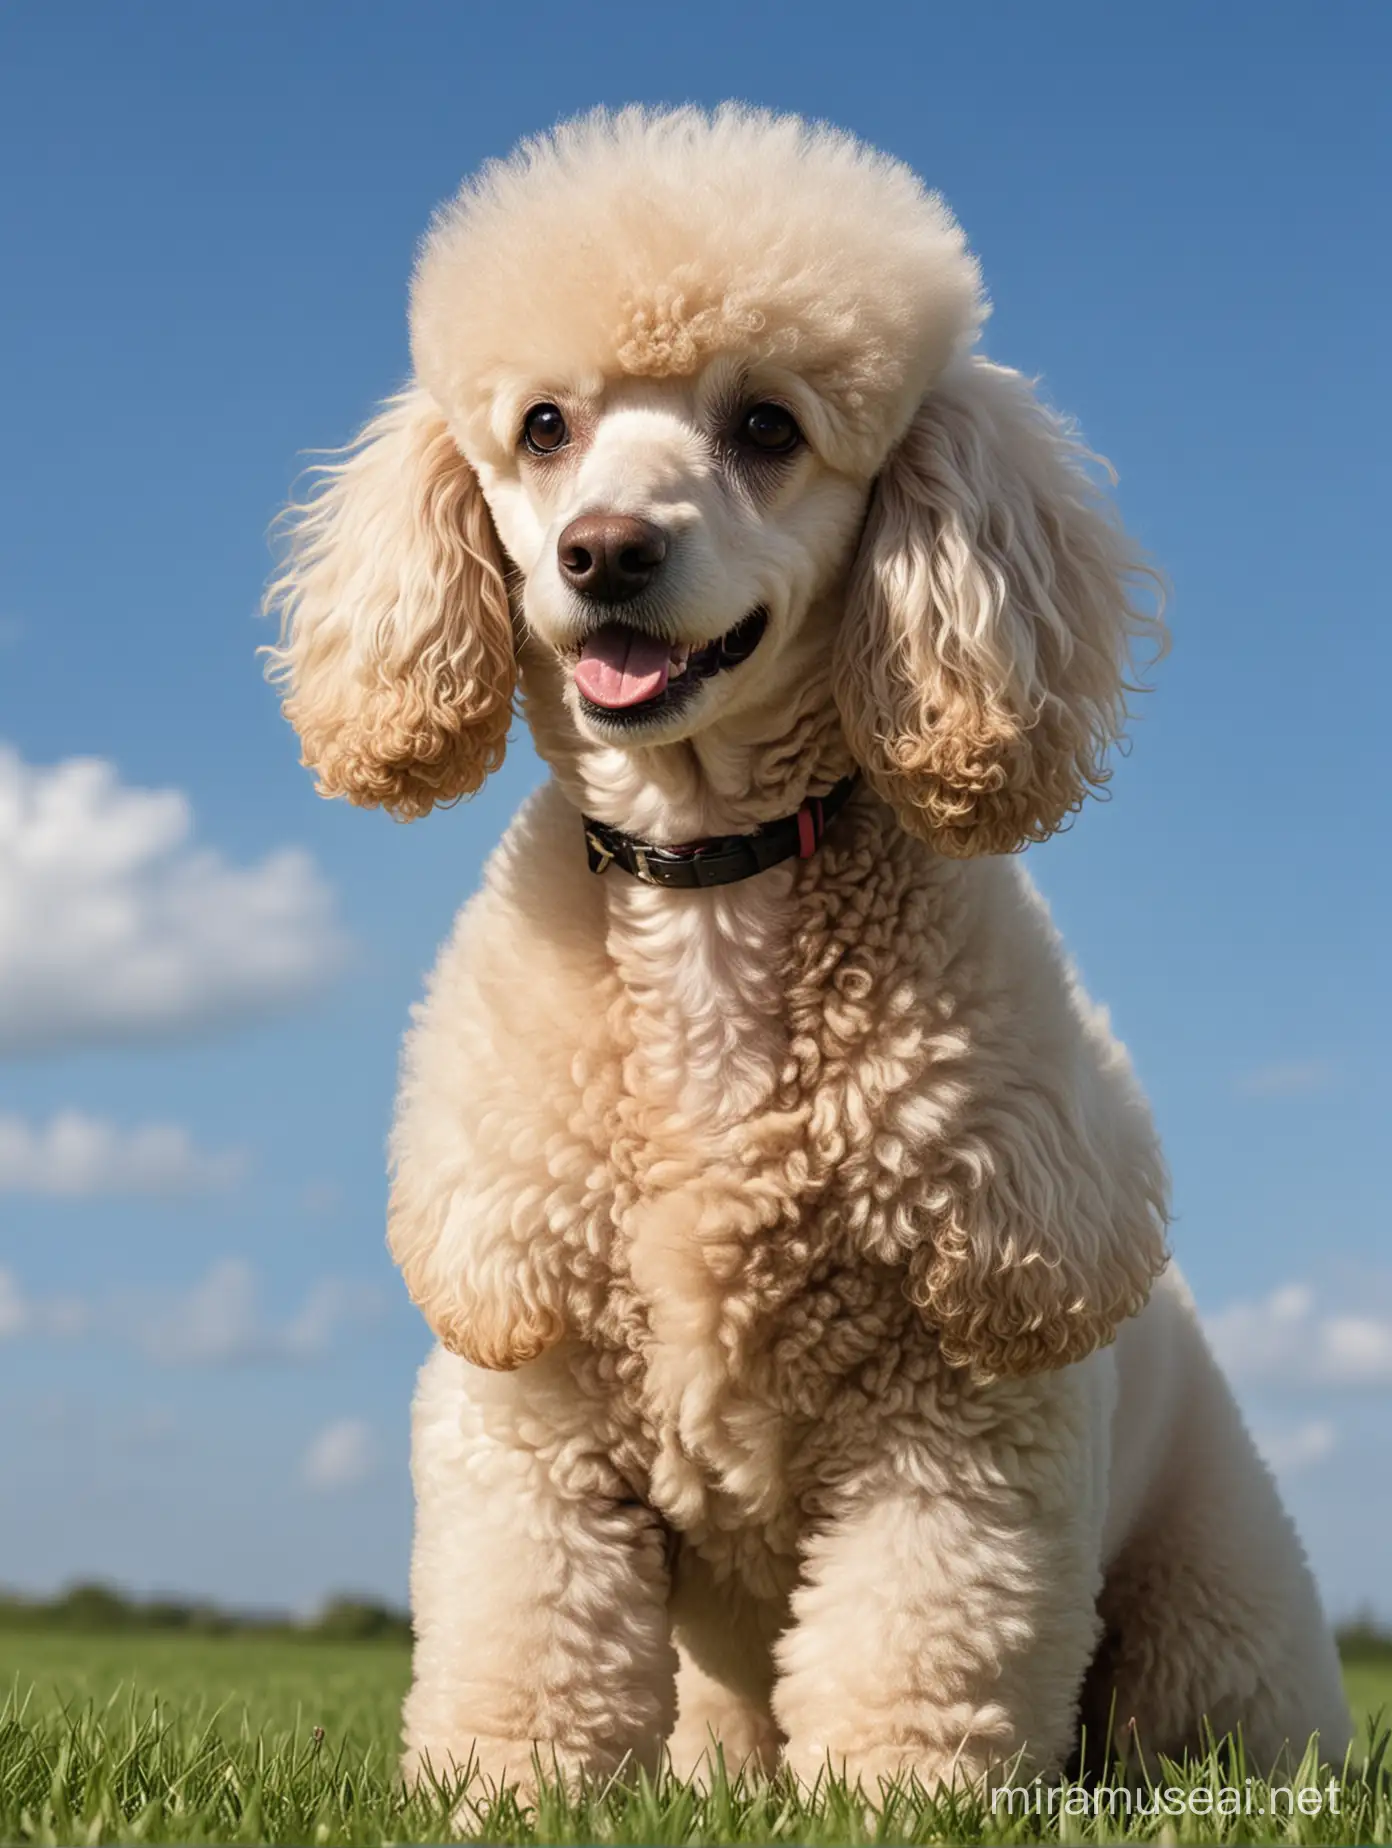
(725, 860)
(601, 857)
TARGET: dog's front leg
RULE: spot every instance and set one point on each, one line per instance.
(539, 1598)
(943, 1633)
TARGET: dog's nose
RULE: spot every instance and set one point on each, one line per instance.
(610, 557)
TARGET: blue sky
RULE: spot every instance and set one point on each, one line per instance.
(207, 226)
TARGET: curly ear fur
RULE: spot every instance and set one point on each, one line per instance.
(396, 653)
(475, 1329)
(1040, 1271)
(1039, 1222)
(982, 662)
(482, 1304)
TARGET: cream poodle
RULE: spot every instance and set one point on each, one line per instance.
(810, 1377)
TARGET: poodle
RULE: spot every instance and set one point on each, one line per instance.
(811, 1379)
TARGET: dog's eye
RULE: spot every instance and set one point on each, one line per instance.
(544, 430)
(770, 429)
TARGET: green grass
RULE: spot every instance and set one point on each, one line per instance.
(252, 1739)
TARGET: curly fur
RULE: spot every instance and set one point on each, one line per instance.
(811, 1378)
(982, 666)
(587, 253)
(396, 650)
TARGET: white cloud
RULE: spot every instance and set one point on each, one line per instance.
(80, 1157)
(1286, 1339)
(87, 1420)
(1287, 1078)
(114, 925)
(220, 1322)
(340, 1457)
(13, 1308)
(20, 1314)
(1296, 1447)
(1357, 1350)
(321, 1199)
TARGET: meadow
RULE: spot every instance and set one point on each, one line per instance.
(244, 1738)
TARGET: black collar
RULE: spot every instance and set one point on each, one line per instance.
(726, 858)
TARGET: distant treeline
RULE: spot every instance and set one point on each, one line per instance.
(1365, 1640)
(92, 1608)
(355, 1620)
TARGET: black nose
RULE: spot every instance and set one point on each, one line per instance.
(610, 557)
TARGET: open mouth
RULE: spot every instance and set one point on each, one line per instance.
(626, 675)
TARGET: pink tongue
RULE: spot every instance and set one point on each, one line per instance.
(620, 667)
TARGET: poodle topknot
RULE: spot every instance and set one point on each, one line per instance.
(644, 245)
(812, 1382)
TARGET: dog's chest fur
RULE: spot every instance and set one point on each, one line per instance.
(730, 1135)
(751, 1298)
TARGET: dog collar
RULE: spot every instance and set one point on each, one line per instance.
(724, 858)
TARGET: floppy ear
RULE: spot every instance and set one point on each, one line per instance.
(484, 1305)
(1041, 1240)
(982, 661)
(396, 654)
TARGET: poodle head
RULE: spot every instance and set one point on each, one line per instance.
(697, 436)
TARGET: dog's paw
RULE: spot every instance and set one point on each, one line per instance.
(878, 1769)
(478, 1772)
(747, 1747)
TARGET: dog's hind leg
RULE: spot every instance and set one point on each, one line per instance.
(1212, 1621)
(715, 1719)
(724, 1676)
